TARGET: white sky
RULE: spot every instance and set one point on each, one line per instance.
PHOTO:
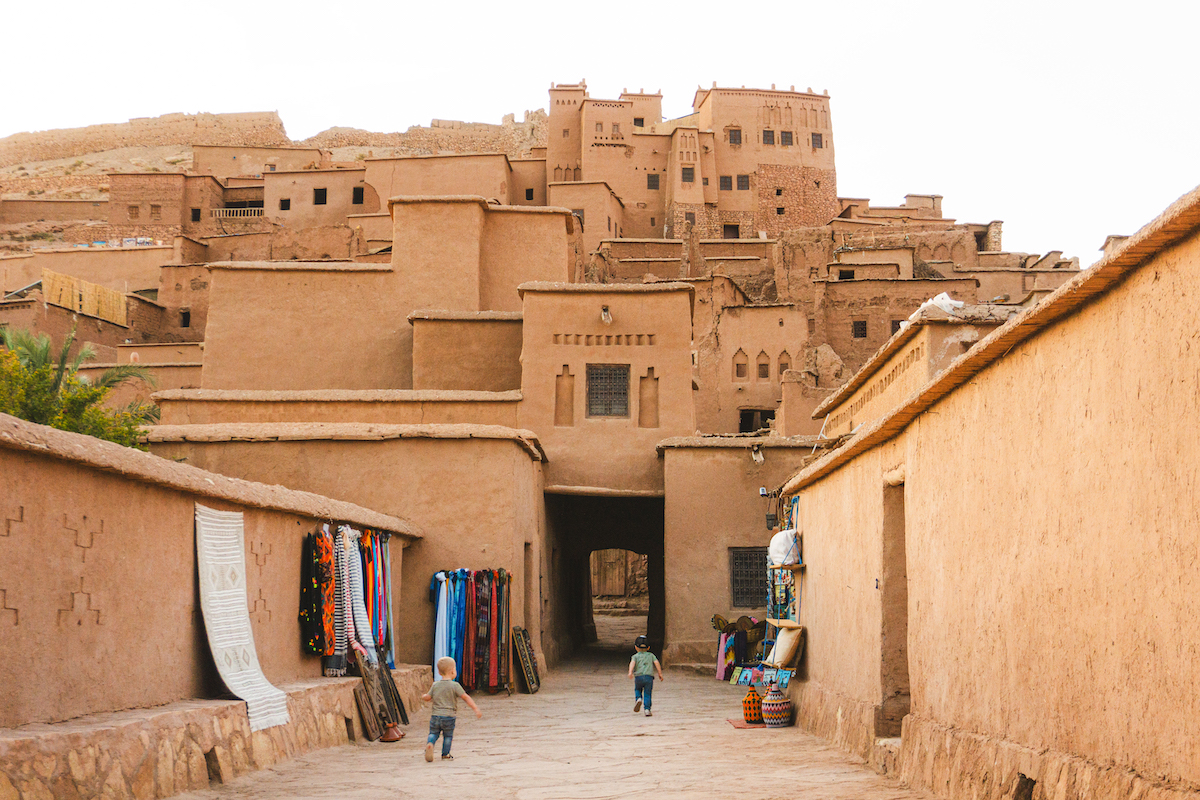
(1067, 121)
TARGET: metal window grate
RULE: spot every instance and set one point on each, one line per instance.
(652, 181)
(688, 174)
(608, 390)
(858, 328)
(748, 576)
(768, 137)
(726, 183)
(743, 182)
(735, 136)
(785, 138)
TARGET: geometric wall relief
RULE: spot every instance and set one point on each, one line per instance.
(81, 609)
(259, 612)
(8, 616)
(13, 520)
(84, 534)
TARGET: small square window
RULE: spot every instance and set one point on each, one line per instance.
(764, 371)
(785, 138)
(357, 199)
(529, 194)
(735, 135)
(779, 211)
(608, 390)
(818, 141)
(739, 370)
(731, 232)
(858, 329)
(896, 323)
(768, 137)
(688, 174)
(319, 197)
(270, 167)
(566, 133)
(779, 192)
(639, 122)
(155, 212)
(704, 181)
(195, 215)
(285, 204)
(689, 216)
(845, 274)
(135, 212)
(652, 180)
(743, 183)
(748, 577)
(725, 183)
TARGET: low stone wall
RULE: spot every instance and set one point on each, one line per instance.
(951, 762)
(844, 721)
(183, 746)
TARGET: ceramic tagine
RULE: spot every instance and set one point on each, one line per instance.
(752, 707)
(776, 708)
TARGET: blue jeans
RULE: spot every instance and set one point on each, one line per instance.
(643, 685)
(443, 726)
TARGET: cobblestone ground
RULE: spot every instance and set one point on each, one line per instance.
(579, 738)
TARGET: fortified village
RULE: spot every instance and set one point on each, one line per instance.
(510, 347)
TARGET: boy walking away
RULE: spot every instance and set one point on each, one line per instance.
(642, 667)
(444, 695)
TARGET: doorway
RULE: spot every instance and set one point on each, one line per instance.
(620, 597)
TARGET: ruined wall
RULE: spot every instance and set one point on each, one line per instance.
(13, 212)
(510, 137)
(127, 269)
(255, 128)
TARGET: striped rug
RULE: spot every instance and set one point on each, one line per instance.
(221, 558)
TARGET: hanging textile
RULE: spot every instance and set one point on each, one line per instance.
(311, 639)
(362, 641)
(474, 611)
(325, 576)
(441, 635)
(334, 664)
(389, 642)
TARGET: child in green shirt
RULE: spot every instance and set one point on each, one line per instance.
(642, 667)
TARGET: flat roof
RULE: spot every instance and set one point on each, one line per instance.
(1178, 221)
(88, 451)
(436, 314)
(604, 288)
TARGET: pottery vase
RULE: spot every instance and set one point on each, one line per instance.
(776, 708)
(752, 707)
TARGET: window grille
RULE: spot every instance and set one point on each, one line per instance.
(608, 390)
(768, 137)
(735, 135)
(785, 138)
(726, 183)
(639, 122)
(688, 174)
(748, 576)
(859, 328)
(743, 183)
(818, 141)
(652, 180)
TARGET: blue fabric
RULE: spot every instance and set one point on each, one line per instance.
(458, 632)
(452, 643)
(441, 634)
(643, 685)
(445, 727)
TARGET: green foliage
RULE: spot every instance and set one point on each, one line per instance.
(42, 385)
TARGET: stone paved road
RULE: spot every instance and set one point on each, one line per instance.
(578, 738)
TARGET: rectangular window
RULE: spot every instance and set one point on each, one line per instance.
(270, 167)
(319, 197)
(752, 420)
(652, 222)
(285, 204)
(357, 199)
(155, 212)
(768, 137)
(726, 183)
(779, 192)
(764, 370)
(652, 180)
(896, 323)
(817, 141)
(195, 215)
(689, 216)
(858, 329)
(743, 183)
(779, 211)
(688, 174)
(785, 138)
(185, 318)
(704, 181)
(599, 127)
(134, 212)
(845, 274)
(735, 135)
(812, 325)
(566, 133)
(610, 224)
(529, 194)
(730, 232)
(608, 390)
(748, 576)
(616, 129)
(639, 122)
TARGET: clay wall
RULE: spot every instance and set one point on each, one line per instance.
(264, 128)
(564, 143)
(391, 406)
(15, 212)
(99, 556)
(301, 190)
(413, 474)
(202, 193)
(479, 352)
(126, 269)
(522, 245)
(316, 243)
(225, 161)
(697, 553)
(564, 332)
(515, 139)
(166, 377)
(184, 288)
(603, 214)
(150, 202)
(376, 228)
(528, 178)
(485, 174)
(259, 311)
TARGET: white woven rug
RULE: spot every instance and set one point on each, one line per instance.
(221, 557)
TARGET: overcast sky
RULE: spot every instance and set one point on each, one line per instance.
(1067, 121)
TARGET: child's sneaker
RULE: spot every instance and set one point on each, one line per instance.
(447, 757)
(637, 705)
(649, 713)
(429, 752)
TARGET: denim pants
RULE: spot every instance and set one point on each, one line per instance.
(643, 685)
(443, 726)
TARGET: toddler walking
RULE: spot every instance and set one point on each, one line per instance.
(444, 695)
(642, 667)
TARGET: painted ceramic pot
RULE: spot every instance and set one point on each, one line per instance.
(776, 708)
(752, 707)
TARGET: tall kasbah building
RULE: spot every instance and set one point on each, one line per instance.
(745, 163)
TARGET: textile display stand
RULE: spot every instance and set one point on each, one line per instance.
(472, 626)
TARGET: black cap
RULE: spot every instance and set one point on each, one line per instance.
(641, 641)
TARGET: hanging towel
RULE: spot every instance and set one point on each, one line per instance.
(362, 640)
(441, 631)
(335, 663)
(325, 572)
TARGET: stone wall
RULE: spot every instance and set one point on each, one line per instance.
(515, 139)
(255, 128)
